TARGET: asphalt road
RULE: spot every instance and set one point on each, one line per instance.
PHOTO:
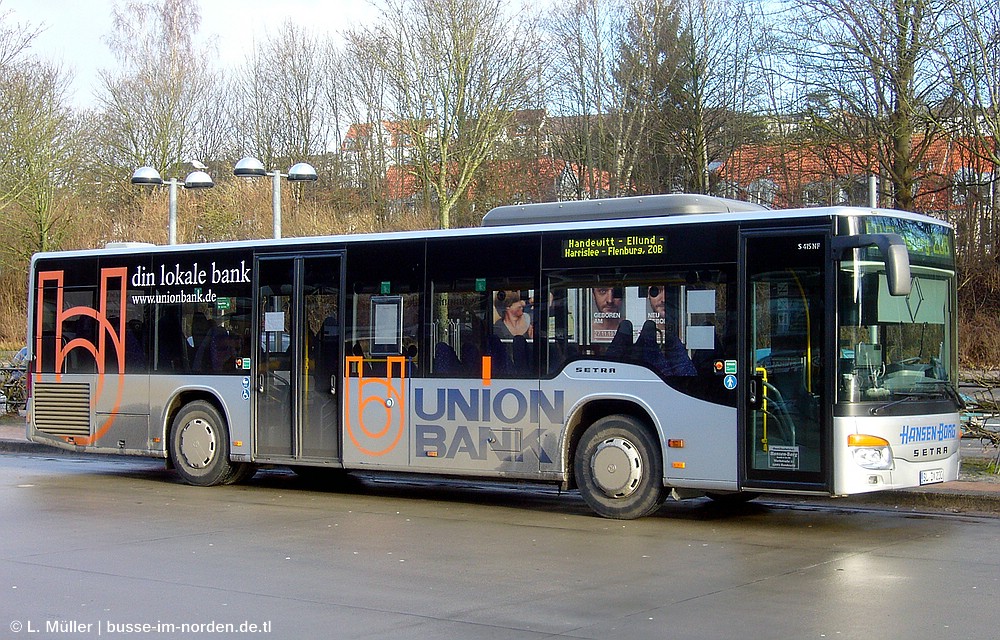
(86, 541)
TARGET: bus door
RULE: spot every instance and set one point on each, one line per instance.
(785, 426)
(298, 357)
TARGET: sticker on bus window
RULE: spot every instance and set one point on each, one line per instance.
(783, 458)
(274, 321)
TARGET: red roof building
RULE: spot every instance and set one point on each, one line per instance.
(950, 174)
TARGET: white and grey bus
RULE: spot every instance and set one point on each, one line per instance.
(633, 348)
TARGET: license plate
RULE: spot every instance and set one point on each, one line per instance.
(931, 476)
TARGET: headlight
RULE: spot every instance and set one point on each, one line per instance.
(873, 458)
(870, 452)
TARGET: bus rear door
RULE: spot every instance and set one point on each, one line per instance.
(298, 357)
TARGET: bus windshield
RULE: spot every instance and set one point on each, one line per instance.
(895, 347)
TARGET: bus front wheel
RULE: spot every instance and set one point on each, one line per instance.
(199, 446)
(619, 468)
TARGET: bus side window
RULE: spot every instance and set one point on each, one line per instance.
(360, 322)
(79, 327)
(584, 321)
(458, 333)
(473, 322)
(171, 343)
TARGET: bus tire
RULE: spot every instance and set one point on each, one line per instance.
(619, 469)
(242, 472)
(199, 446)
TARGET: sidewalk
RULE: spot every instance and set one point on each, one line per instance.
(970, 495)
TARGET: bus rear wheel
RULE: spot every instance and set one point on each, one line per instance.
(199, 446)
(619, 468)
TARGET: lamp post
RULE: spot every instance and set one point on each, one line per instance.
(194, 180)
(254, 168)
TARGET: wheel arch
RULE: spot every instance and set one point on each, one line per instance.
(183, 398)
(587, 413)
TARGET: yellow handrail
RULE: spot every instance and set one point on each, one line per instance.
(763, 404)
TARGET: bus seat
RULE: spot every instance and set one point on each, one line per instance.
(172, 348)
(520, 353)
(648, 352)
(446, 362)
(216, 352)
(496, 349)
(561, 352)
(472, 359)
(621, 347)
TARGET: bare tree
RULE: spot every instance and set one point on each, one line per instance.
(720, 77)
(152, 109)
(457, 73)
(658, 89)
(40, 142)
(40, 153)
(335, 96)
(581, 88)
(643, 68)
(609, 78)
(281, 109)
(873, 70)
(366, 148)
(15, 38)
(973, 58)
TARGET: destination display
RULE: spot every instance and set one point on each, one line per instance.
(614, 246)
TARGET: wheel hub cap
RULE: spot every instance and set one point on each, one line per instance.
(198, 444)
(617, 467)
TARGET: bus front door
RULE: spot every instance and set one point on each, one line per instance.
(298, 358)
(784, 423)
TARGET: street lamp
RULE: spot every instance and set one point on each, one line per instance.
(194, 180)
(254, 168)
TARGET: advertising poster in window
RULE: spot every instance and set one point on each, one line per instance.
(512, 312)
(606, 313)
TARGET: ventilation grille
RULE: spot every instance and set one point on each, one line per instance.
(62, 409)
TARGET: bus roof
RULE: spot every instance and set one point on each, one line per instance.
(652, 206)
(656, 216)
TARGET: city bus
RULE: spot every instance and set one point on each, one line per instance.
(634, 349)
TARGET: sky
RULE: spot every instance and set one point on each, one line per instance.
(75, 29)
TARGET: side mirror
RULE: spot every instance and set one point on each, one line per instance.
(893, 248)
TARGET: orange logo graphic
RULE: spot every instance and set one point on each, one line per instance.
(106, 344)
(375, 407)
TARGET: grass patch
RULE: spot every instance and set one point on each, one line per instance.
(979, 467)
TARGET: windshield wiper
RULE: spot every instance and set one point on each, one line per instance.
(949, 389)
(946, 388)
(912, 395)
